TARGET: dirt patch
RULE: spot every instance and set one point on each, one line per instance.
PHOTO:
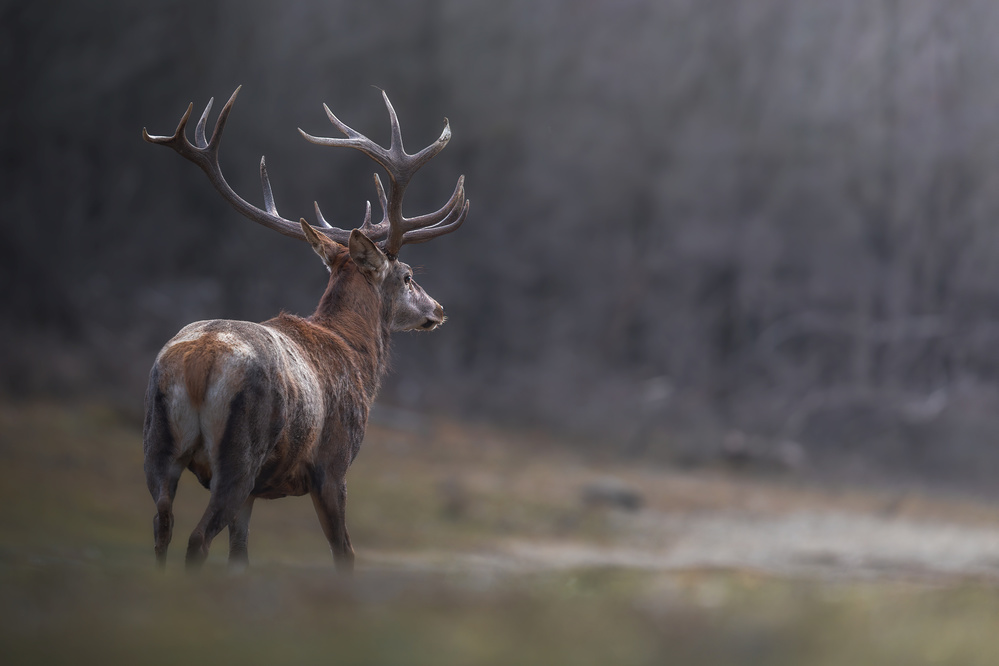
(811, 545)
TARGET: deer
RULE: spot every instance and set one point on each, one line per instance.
(279, 408)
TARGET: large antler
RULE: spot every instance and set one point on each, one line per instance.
(205, 153)
(392, 232)
(395, 229)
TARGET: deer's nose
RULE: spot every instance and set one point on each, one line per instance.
(434, 320)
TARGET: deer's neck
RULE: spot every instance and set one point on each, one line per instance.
(352, 309)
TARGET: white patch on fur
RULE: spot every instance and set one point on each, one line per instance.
(299, 372)
(223, 384)
(183, 418)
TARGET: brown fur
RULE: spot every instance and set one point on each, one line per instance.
(197, 358)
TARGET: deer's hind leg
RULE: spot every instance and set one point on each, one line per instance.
(162, 468)
(235, 463)
(229, 495)
(164, 491)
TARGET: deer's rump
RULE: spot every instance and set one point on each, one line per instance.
(239, 396)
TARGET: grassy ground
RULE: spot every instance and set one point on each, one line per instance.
(474, 548)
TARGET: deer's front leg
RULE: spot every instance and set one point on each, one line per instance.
(330, 499)
(239, 534)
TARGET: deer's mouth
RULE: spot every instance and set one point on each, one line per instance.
(430, 325)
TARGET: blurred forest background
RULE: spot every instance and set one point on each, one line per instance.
(702, 228)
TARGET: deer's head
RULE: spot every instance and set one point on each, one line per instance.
(405, 305)
(372, 248)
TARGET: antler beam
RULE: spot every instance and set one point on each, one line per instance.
(205, 153)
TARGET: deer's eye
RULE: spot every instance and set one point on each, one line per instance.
(407, 279)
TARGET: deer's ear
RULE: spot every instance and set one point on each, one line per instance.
(366, 254)
(323, 246)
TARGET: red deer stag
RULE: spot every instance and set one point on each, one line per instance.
(279, 408)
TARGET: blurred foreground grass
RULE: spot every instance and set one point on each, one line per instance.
(433, 509)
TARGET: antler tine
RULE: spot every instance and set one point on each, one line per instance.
(354, 140)
(178, 136)
(205, 153)
(431, 151)
(445, 227)
(455, 202)
(423, 228)
(222, 120)
(407, 229)
(265, 185)
(396, 145)
(199, 130)
(319, 217)
(382, 198)
(377, 232)
(367, 215)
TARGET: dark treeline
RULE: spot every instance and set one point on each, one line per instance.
(774, 217)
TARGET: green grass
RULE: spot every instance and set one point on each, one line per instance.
(78, 612)
(77, 583)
